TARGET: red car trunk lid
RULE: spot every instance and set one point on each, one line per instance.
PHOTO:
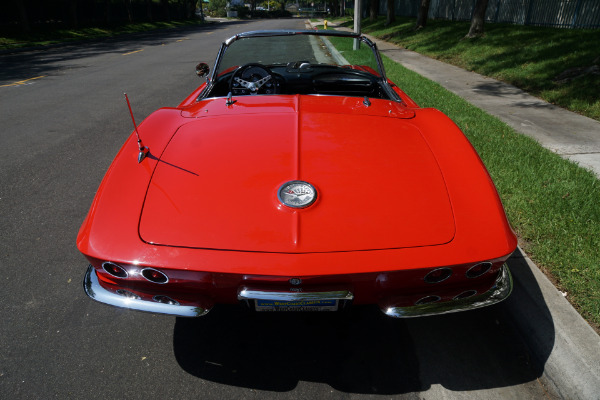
(378, 185)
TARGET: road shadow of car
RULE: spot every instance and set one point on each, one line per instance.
(362, 350)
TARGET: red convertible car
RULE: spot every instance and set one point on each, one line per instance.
(297, 178)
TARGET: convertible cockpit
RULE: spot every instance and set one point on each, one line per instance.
(297, 63)
(253, 79)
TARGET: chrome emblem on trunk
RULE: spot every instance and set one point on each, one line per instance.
(297, 194)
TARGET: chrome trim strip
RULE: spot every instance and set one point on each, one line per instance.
(111, 274)
(489, 265)
(254, 294)
(92, 288)
(283, 32)
(154, 269)
(155, 298)
(500, 291)
(428, 299)
(466, 294)
(438, 269)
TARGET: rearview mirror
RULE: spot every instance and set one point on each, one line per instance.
(202, 69)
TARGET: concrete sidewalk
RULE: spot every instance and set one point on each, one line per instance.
(572, 370)
(568, 134)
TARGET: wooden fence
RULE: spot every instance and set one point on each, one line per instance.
(555, 13)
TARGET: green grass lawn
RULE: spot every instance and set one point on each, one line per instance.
(553, 205)
(528, 57)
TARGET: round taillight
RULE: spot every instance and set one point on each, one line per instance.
(114, 269)
(155, 276)
(465, 295)
(428, 299)
(128, 294)
(165, 300)
(479, 269)
(438, 275)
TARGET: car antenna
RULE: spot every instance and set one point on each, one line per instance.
(143, 149)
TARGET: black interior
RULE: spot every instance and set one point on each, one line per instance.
(302, 78)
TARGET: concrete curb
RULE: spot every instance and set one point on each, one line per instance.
(560, 340)
(558, 337)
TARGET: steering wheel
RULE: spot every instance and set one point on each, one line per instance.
(253, 79)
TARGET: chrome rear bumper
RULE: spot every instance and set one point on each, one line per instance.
(500, 291)
(254, 294)
(95, 291)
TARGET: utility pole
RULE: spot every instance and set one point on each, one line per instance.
(357, 18)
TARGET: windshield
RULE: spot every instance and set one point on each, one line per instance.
(304, 63)
(298, 48)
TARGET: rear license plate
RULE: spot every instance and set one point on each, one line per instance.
(299, 305)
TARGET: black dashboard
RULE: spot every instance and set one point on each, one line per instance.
(298, 78)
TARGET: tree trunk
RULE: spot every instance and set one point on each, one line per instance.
(373, 10)
(73, 14)
(149, 10)
(422, 17)
(201, 5)
(166, 13)
(128, 8)
(190, 9)
(478, 19)
(391, 12)
(23, 17)
(107, 15)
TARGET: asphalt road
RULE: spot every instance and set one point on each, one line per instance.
(58, 135)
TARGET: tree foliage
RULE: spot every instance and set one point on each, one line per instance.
(44, 14)
(217, 8)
